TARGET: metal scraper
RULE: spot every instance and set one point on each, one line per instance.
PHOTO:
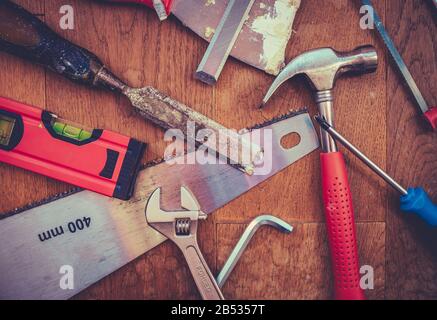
(96, 235)
(263, 37)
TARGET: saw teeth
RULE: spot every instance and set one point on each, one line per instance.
(40, 203)
(290, 114)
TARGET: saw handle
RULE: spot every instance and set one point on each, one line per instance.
(24, 35)
(431, 116)
(341, 227)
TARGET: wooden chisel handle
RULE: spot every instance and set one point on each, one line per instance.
(24, 35)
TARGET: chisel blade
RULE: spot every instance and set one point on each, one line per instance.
(223, 40)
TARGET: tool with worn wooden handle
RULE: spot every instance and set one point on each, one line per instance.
(25, 35)
(322, 67)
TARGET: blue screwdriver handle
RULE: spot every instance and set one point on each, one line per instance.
(418, 201)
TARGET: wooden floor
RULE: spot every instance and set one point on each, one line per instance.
(374, 111)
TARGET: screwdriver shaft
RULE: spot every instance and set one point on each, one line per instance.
(337, 136)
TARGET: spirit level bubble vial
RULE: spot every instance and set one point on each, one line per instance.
(98, 160)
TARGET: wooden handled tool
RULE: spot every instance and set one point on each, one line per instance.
(24, 35)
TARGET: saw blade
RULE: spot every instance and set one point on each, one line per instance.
(93, 235)
(291, 113)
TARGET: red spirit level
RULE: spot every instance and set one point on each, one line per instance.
(98, 160)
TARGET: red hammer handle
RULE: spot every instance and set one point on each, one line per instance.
(431, 116)
(341, 227)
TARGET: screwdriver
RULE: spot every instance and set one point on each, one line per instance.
(413, 200)
(429, 112)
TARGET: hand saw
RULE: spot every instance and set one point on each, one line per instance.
(263, 39)
(97, 235)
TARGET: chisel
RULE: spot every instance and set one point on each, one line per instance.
(24, 35)
(413, 200)
(223, 41)
(430, 113)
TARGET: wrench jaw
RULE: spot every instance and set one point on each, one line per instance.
(181, 228)
(188, 200)
(180, 224)
(154, 213)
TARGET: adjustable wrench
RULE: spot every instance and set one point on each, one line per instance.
(181, 228)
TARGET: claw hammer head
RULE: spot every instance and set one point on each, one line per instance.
(323, 66)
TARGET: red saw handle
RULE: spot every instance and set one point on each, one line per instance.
(431, 116)
(341, 227)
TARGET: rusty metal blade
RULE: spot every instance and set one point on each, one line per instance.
(95, 235)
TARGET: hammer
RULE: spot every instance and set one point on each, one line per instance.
(322, 67)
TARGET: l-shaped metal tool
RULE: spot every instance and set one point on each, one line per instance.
(242, 244)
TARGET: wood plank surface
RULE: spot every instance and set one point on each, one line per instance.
(375, 111)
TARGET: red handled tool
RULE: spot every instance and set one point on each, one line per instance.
(340, 223)
(98, 160)
(413, 200)
(339, 215)
(162, 7)
(322, 67)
